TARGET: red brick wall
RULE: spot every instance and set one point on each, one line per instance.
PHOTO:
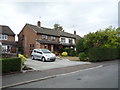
(27, 37)
(11, 38)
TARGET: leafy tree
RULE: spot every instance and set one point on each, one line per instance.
(80, 46)
(58, 27)
(102, 38)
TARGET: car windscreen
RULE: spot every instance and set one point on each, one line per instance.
(45, 51)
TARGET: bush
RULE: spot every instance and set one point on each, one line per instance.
(55, 52)
(101, 54)
(82, 56)
(64, 54)
(22, 58)
(70, 51)
(11, 65)
(26, 56)
(80, 46)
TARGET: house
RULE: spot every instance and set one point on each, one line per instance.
(35, 36)
(7, 39)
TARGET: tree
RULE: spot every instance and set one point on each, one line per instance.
(58, 27)
(102, 38)
(80, 46)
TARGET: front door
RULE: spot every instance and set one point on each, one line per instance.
(49, 47)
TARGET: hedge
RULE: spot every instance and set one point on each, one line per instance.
(70, 51)
(101, 54)
(11, 65)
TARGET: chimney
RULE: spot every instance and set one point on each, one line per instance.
(74, 32)
(39, 24)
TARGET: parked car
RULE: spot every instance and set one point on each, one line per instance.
(43, 54)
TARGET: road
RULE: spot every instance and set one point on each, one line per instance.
(102, 77)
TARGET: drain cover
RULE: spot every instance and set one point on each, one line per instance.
(79, 79)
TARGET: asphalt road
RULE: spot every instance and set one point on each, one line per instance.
(102, 77)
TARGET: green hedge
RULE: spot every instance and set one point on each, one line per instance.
(101, 54)
(82, 56)
(70, 51)
(11, 65)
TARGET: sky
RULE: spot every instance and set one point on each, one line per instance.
(84, 16)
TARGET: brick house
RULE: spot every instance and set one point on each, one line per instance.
(7, 39)
(35, 36)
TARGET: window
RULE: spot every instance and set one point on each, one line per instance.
(45, 51)
(34, 51)
(52, 38)
(39, 52)
(4, 48)
(44, 36)
(63, 40)
(3, 37)
(31, 46)
(70, 41)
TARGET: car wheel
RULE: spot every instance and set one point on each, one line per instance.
(33, 58)
(53, 60)
(43, 59)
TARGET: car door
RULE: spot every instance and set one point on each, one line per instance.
(35, 54)
(39, 55)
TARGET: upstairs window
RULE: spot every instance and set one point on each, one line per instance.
(62, 40)
(44, 36)
(52, 38)
(71, 41)
(3, 37)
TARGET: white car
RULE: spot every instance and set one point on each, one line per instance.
(43, 54)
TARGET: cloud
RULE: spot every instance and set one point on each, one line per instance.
(84, 16)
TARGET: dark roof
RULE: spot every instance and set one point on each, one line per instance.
(6, 30)
(47, 42)
(9, 43)
(44, 30)
(49, 31)
(66, 44)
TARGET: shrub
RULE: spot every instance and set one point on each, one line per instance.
(101, 54)
(26, 56)
(82, 56)
(80, 46)
(55, 52)
(22, 58)
(70, 51)
(64, 54)
(11, 64)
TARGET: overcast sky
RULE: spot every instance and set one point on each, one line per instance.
(84, 16)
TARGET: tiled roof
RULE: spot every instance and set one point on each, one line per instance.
(44, 30)
(9, 43)
(6, 30)
(47, 42)
(49, 31)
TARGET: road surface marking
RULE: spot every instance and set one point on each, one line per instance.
(40, 79)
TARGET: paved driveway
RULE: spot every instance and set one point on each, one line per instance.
(39, 65)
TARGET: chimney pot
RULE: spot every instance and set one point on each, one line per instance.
(74, 32)
(38, 23)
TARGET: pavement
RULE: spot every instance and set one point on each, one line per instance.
(27, 77)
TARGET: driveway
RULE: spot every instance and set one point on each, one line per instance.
(39, 65)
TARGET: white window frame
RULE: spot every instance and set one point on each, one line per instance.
(44, 36)
(4, 48)
(52, 37)
(63, 40)
(71, 40)
(3, 37)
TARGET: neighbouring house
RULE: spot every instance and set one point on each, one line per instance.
(7, 40)
(35, 36)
